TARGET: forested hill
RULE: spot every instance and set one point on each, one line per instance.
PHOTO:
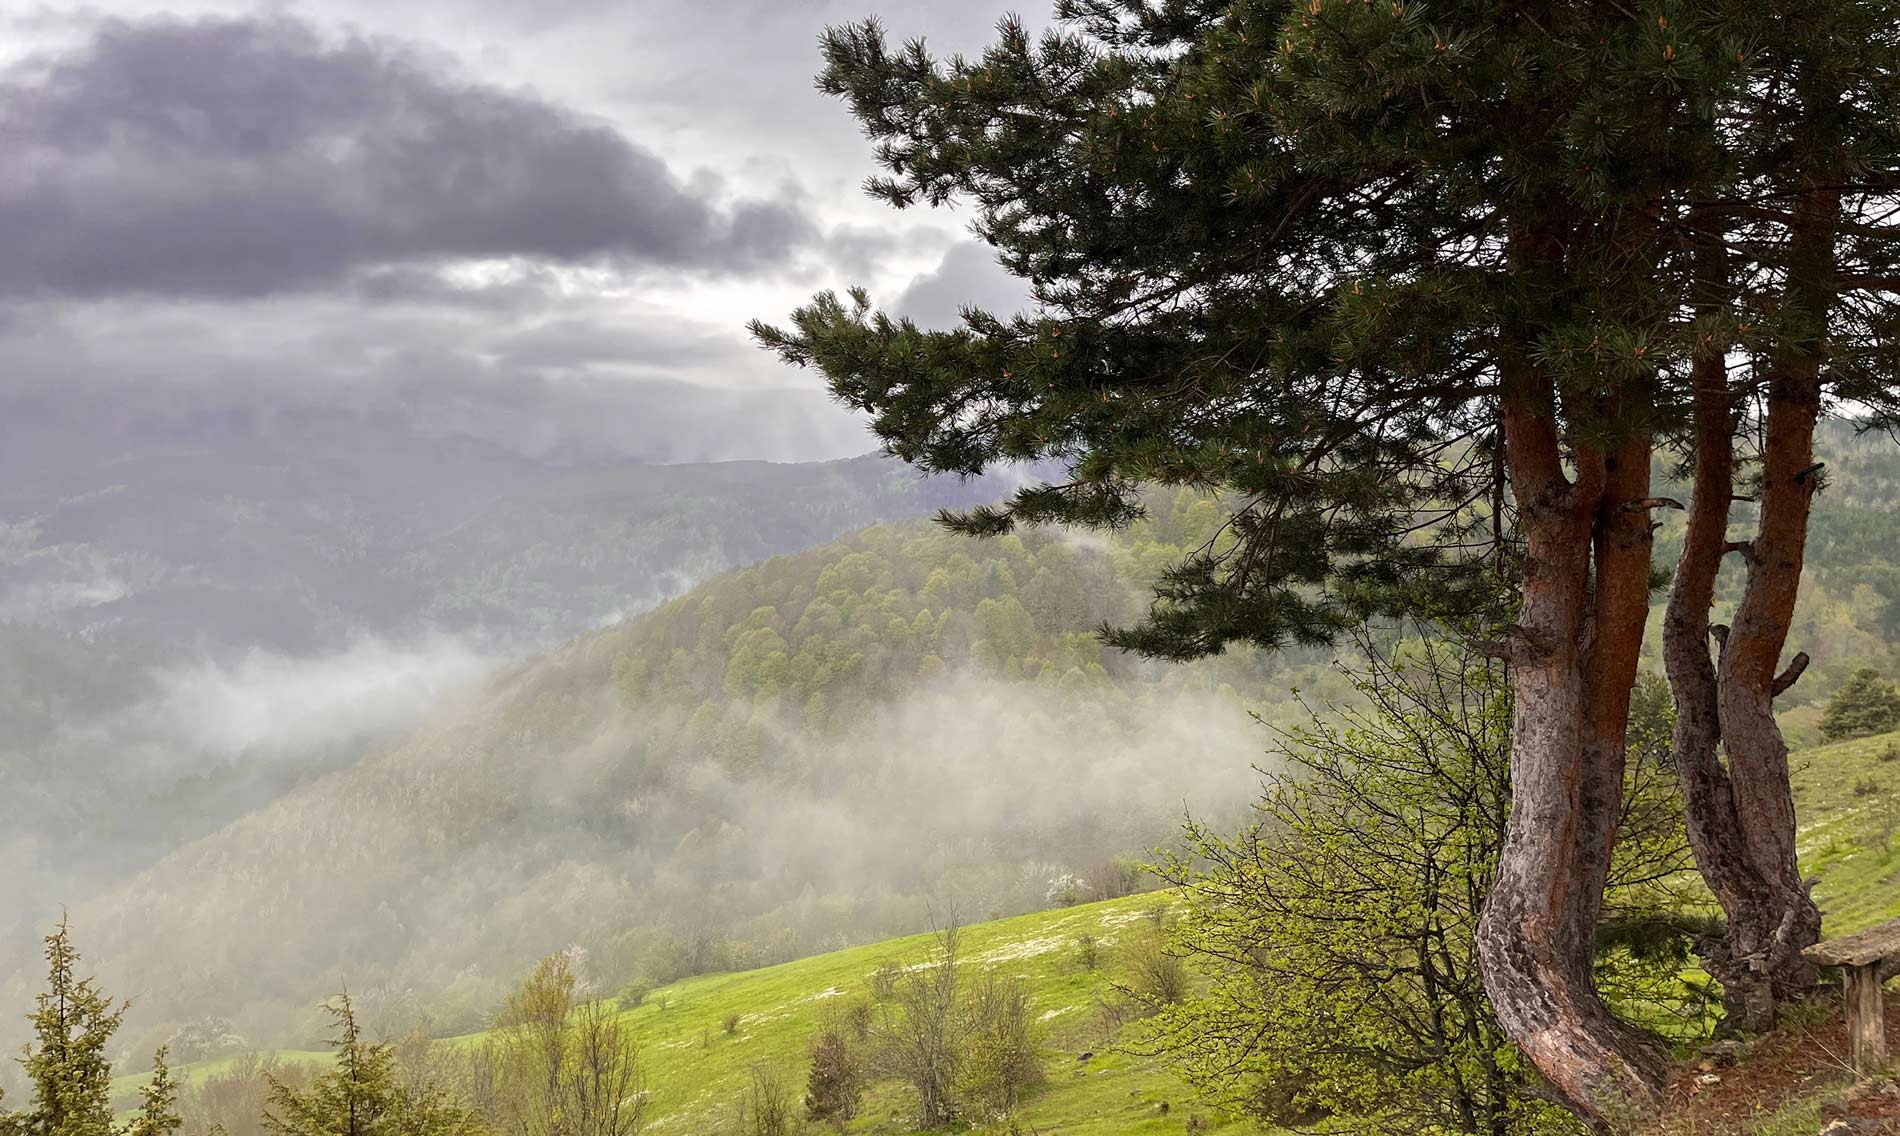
(792, 757)
(188, 632)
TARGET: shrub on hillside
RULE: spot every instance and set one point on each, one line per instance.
(1865, 704)
(835, 1085)
(634, 994)
(555, 1062)
(1153, 973)
(1337, 930)
(766, 1108)
(964, 1043)
(1002, 1054)
(884, 981)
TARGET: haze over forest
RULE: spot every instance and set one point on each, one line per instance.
(448, 555)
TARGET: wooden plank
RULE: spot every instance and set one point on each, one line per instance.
(1870, 946)
(1866, 1020)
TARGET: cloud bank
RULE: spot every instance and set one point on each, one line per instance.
(242, 157)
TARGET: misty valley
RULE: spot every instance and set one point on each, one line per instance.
(1142, 567)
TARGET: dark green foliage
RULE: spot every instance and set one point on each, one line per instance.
(1268, 242)
(835, 1085)
(66, 1065)
(1866, 703)
(364, 1095)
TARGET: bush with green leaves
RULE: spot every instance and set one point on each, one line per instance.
(634, 994)
(1337, 929)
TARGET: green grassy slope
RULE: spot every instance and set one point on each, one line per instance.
(1845, 791)
(1848, 798)
(696, 1071)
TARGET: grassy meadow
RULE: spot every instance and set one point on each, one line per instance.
(696, 1069)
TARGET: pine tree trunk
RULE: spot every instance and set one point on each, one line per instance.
(1741, 820)
(1757, 754)
(1573, 657)
(1709, 808)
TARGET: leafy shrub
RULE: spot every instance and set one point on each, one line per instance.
(1154, 974)
(731, 1023)
(1087, 951)
(634, 994)
(1320, 1008)
(1001, 1056)
(1867, 787)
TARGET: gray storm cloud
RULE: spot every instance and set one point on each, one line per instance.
(227, 158)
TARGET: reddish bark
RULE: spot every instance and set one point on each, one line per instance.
(1709, 808)
(1741, 819)
(1573, 657)
(1751, 655)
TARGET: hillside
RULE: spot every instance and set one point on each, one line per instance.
(696, 1070)
(196, 630)
(788, 759)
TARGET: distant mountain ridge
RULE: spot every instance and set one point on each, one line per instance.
(300, 551)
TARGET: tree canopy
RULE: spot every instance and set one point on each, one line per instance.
(1424, 287)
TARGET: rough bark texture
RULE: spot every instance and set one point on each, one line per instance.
(1573, 656)
(1750, 675)
(1709, 805)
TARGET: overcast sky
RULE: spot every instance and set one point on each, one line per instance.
(476, 212)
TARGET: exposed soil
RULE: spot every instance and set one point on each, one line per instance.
(1708, 1099)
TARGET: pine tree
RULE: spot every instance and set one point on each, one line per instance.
(835, 1085)
(66, 1063)
(1865, 704)
(1420, 290)
(158, 1102)
(355, 1098)
(364, 1094)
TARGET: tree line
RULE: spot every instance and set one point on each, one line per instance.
(556, 1061)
